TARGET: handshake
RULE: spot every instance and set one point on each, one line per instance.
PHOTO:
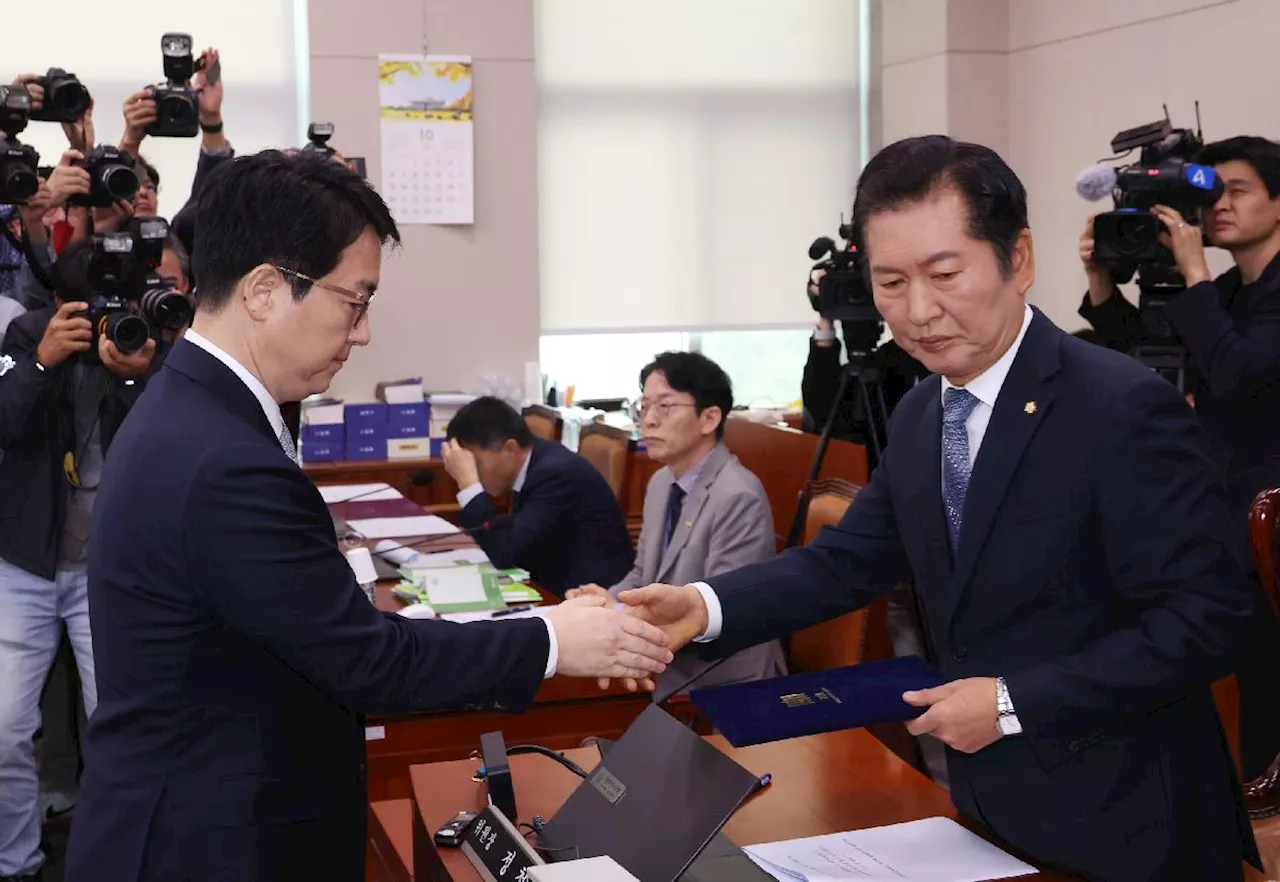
(630, 644)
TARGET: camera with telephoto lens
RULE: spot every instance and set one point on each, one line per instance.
(318, 135)
(111, 177)
(18, 161)
(65, 98)
(177, 105)
(843, 294)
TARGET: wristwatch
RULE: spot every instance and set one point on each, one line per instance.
(1006, 719)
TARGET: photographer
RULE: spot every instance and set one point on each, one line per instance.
(59, 410)
(1230, 328)
(821, 381)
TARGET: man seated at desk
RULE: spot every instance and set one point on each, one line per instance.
(705, 513)
(566, 527)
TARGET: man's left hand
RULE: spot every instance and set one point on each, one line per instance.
(210, 94)
(460, 463)
(1186, 242)
(962, 714)
(125, 365)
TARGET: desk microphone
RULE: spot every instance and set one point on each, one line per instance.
(420, 478)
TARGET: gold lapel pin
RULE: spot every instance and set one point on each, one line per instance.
(1029, 407)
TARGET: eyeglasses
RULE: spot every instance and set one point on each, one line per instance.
(359, 302)
(660, 409)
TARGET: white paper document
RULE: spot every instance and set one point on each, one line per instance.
(449, 586)
(487, 615)
(929, 850)
(389, 528)
(437, 559)
(332, 493)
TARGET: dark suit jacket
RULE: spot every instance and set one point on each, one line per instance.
(567, 528)
(235, 654)
(1094, 573)
(1232, 333)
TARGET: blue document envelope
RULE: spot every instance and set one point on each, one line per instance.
(816, 701)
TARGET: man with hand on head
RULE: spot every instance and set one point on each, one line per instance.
(565, 526)
(1056, 509)
(236, 653)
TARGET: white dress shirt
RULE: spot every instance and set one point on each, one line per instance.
(272, 409)
(986, 388)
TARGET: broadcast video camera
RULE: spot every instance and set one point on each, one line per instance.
(18, 161)
(177, 105)
(130, 301)
(318, 135)
(843, 294)
(1127, 240)
(111, 177)
(65, 97)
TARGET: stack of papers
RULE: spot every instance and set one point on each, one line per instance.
(333, 493)
(389, 528)
(929, 850)
(460, 589)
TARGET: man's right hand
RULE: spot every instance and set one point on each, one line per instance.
(67, 334)
(679, 611)
(598, 641)
(31, 81)
(1101, 285)
(68, 179)
(139, 113)
(587, 591)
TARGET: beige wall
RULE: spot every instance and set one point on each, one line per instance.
(1048, 83)
(456, 302)
(1081, 72)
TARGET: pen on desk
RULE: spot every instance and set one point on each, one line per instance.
(509, 610)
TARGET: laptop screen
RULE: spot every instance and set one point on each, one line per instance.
(658, 796)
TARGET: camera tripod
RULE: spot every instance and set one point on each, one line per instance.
(870, 411)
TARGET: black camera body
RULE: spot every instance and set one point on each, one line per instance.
(843, 294)
(177, 104)
(115, 318)
(318, 135)
(18, 161)
(111, 177)
(131, 302)
(1127, 240)
(65, 98)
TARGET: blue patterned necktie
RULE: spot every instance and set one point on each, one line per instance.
(957, 404)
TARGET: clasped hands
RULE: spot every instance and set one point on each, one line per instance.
(963, 714)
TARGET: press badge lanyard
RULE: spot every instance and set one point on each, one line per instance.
(71, 458)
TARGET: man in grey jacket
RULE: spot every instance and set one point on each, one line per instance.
(704, 513)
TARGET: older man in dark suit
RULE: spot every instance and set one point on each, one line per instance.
(1056, 508)
(235, 651)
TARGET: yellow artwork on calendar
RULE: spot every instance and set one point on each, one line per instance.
(426, 106)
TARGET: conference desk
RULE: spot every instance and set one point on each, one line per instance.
(565, 711)
(821, 784)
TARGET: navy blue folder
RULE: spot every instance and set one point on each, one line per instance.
(816, 701)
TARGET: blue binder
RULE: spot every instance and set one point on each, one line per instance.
(816, 701)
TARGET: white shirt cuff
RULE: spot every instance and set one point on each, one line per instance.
(715, 617)
(466, 494)
(553, 649)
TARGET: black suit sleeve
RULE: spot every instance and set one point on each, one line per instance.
(1117, 321)
(1234, 364)
(1184, 604)
(260, 548)
(22, 385)
(545, 506)
(820, 383)
(843, 569)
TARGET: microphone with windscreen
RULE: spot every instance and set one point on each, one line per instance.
(1096, 182)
